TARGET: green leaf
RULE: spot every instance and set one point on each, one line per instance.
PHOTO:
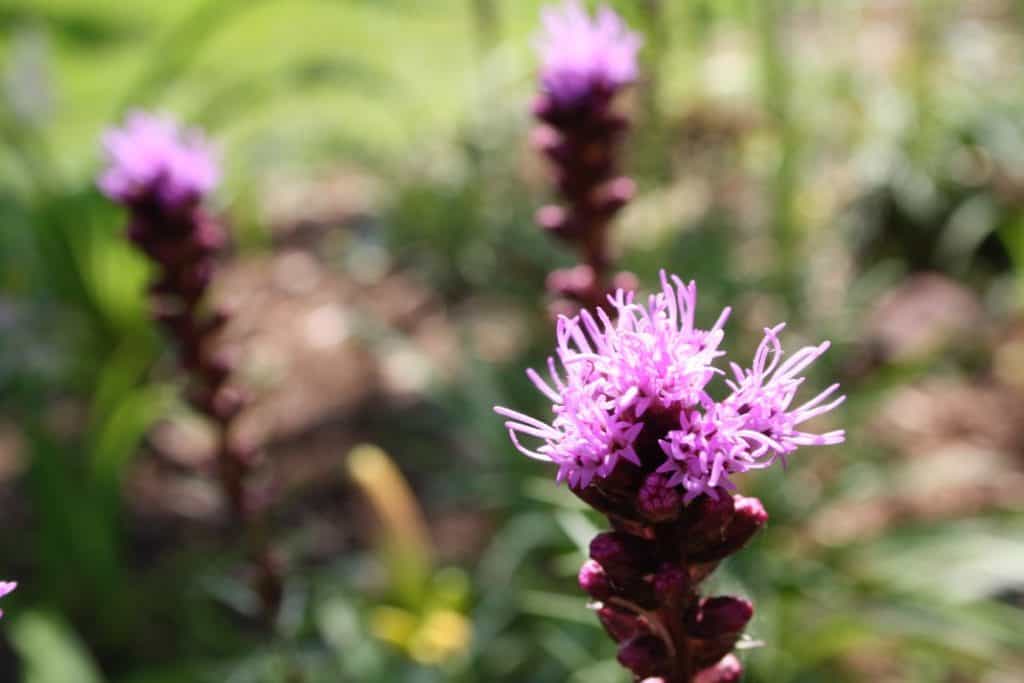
(51, 651)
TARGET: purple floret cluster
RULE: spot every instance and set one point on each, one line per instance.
(152, 159)
(581, 55)
(639, 376)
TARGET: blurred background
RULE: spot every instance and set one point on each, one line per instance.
(853, 167)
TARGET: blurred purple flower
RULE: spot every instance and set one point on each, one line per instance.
(5, 588)
(152, 159)
(581, 55)
(640, 378)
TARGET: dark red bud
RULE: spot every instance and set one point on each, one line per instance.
(218, 366)
(545, 137)
(620, 624)
(554, 219)
(594, 580)
(615, 194)
(728, 670)
(708, 515)
(209, 236)
(706, 653)
(551, 144)
(644, 655)
(623, 557)
(227, 403)
(658, 502)
(748, 519)
(720, 616)
(671, 585)
(572, 282)
(543, 107)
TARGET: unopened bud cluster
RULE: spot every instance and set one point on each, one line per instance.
(161, 174)
(645, 575)
(585, 64)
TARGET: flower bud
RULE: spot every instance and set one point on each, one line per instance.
(708, 517)
(620, 624)
(615, 194)
(594, 580)
(623, 557)
(707, 653)
(748, 519)
(658, 502)
(728, 670)
(644, 655)
(226, 403)
(671, 585)
(545, 138)
(553, 218)
(571, 281)
(723, 615)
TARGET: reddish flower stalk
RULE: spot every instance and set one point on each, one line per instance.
(586, 63)
(637, 436)
(162, 174)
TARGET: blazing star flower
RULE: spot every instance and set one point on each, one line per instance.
(580, 55)
(5, 588)
(633, 386)
(152, 158)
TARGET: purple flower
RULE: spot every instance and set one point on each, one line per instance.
(5, 588)
(634, 387)
(151, 158)
(580, 55)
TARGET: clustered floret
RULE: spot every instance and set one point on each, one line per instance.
(152, 158)
(580, 55)
(646, 367)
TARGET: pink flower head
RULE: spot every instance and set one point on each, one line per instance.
(579, 54)
(5, 588)
(633, 387)
(152, 158)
